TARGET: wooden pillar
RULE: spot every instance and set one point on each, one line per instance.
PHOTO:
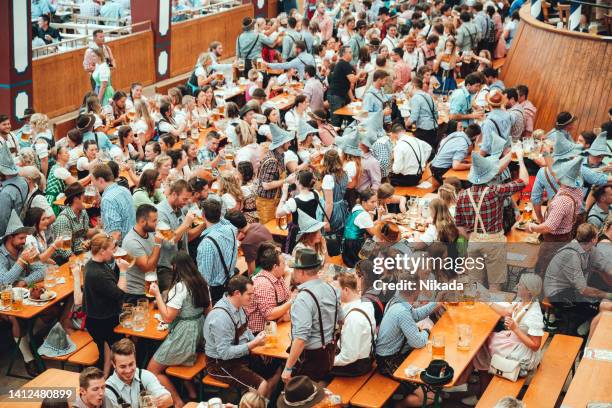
(159, 13)
(15, 59)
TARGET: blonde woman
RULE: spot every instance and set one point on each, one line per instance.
(249, 149)
(448, 194)
(41, 128)
(143, 125)
(230, 191)
(386, 196)
(252, 400)
(201, 74)
(442, 220)
(163, 164)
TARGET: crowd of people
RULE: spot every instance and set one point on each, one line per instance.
(188, 184)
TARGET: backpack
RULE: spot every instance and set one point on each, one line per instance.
(488, 37)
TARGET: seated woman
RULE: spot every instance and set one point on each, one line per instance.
(148, 190)
(59, 177)
(40, 221)
(358, 225)
(230, 191)
(310, 235)
(442, 227)
(188, 301)
(448, 194)
(247, 185)
(521, 337)
(128, 148)
(386, 195)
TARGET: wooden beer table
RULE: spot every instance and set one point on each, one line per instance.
(283, 341)
(517, 244)
(350, 110)
(460, 174)
(282, 101)
(416, 191)
(602, 337)
(150, 332)
(481, 318)
(48, 380)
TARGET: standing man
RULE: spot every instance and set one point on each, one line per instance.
(517, 113)
(170, 213)
(479, 216)
(467, 34)
(497, 123)
(424, 115)
(314, 316)
(313, 89)
(128, 381)
(291, 36)
(116, 205)
(229, 342)
(271, 296)
(218, 250)
(90, 57)
(249, 44)
(7, 138)
(375, 99)
(272, 175)
(461, 100)
(562, 212)
(528, 108)
(401, 68)
(144, 246)
(14, 189)
(341, 82)
(326, 25)
(358, 40)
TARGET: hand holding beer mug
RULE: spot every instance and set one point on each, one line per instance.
(122, 254)
(29, 254)
(165, 231)
(151, 286)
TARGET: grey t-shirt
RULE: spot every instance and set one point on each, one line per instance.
(137, 246)
(166, 214)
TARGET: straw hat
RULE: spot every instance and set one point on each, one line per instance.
(483, 169)
(304, 129)
(599, 147)
(563, 149)
(307, 224)
(495, 98)
(569, 172)
(57, 343)
(7, 164)
(15, 226)
(279, 136)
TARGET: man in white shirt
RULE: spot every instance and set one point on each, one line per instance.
(358, 331)
(128, 381)
(409, 159)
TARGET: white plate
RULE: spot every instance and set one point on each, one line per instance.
(25, 291)
(53, 296)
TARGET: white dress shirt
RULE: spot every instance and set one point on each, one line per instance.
(356, 337)
(405, 161)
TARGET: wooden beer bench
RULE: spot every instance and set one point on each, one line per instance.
(85, 357)
(347, 387)
(376, 392)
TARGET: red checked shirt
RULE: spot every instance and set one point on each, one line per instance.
(563, 209)
(491, 209)
(268, 292)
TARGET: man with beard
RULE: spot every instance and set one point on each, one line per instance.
(145, 248)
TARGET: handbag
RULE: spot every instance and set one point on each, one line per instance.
(504, 367)
(333, 240)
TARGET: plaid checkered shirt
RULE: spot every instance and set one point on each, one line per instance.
(491, 209)
(67, 223)
(117, 209)
(270, 170)
(267, 290)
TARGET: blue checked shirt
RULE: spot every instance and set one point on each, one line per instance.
(11, 271)
(219, 331)
(398, 322)
(40, 7)
(383, 151)
(453, 147)
(209, 262)
(504, 123)
(423, 111)
(117, 208)
(461, 104)
(299, 63)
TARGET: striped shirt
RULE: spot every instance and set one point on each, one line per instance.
(399, 322)
(117, 210)
(562, 210)
(209, 262)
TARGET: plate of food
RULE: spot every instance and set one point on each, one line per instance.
(38, 294)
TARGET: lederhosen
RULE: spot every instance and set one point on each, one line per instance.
(388, 364)
(362, 365)
(551, 243)
(120, 401)
(317, 363)
(429, 136)
(238, 372)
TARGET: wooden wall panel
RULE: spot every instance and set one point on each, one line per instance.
(192, 37)
(565, 71)
(59, 81)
